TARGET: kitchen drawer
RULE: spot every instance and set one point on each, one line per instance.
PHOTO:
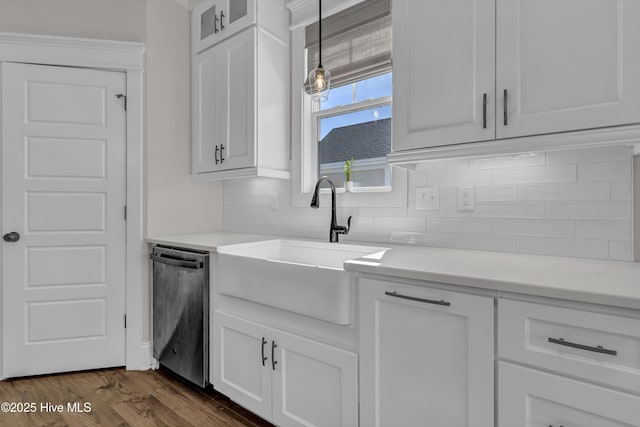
(600, 347)
(536, 399)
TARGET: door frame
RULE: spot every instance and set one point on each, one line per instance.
(109, 56)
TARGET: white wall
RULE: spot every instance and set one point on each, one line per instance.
(573, 203)
(174, 203)
(100, 19)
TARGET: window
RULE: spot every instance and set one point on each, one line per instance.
(356, 48)
(355, 122)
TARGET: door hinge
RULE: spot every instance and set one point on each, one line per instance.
(125, 321)
(122, 95)
(125, 212)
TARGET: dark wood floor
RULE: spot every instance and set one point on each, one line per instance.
(121, 398)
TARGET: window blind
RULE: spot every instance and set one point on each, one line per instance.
(356, 43)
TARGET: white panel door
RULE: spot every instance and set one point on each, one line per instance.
(207, 95)
(63, 191)
(239, 113)
(314, 384)
(567, 65)
(426, 357)
(443, 72)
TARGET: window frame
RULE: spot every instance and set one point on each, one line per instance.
(316, 116)
(304, 144)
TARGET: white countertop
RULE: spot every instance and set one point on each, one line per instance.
(614, 283)
(208, 241)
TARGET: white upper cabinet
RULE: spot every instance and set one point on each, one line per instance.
(240, 95)
(215, 20)
(443, 78)
(546, 66)
(567, 65)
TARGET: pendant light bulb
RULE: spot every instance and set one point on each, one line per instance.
(320, 83)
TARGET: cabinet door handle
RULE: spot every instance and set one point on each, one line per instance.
(221, 153)
(504, 108)
(221, 16)
(428, 301)
(274, 362)
(264, 358)
(215, 24)
(596, 349)
(484, 111)
(217, 161)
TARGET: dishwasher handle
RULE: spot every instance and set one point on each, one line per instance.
(193, 265)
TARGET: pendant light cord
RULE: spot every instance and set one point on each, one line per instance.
(319, 33)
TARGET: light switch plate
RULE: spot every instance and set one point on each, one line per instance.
(428, 198)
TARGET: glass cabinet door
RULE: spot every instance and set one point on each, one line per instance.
(214, 20)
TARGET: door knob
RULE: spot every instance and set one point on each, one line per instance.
(11, 237)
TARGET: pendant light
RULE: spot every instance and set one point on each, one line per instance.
(319, 78)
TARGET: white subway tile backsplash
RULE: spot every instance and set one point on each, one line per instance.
(417, 180)
(390, 212)
(447, 165)
(571, 203)
(517, 160)
(564, 247)
(458, 225)
(606, 210)
(565, 191)
(509, 210)
(496, 193)
(535, 174)
(604, 171)
(612, 230)
(399, 224)
(621, 250)
(482, 242)
(621, 190)
(476, 177)
(534, 227)
(587, 155)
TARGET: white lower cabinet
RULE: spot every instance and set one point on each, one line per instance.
(426, 356)
(286, 379)
(532, 398)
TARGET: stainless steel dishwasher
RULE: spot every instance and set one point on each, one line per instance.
(181, 312)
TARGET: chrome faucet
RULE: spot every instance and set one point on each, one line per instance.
(315, 204)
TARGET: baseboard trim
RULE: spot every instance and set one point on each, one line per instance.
(146, 357)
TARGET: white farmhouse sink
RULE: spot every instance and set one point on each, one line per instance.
(299, 276)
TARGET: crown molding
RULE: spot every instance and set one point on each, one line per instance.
(71, 51)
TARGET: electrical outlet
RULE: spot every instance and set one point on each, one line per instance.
(428, 198)
(466, 198)
(273, 201)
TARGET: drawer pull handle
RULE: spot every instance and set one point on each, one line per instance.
(428, 301)
(597, 349)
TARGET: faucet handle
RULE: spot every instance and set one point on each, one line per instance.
(341, 229)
